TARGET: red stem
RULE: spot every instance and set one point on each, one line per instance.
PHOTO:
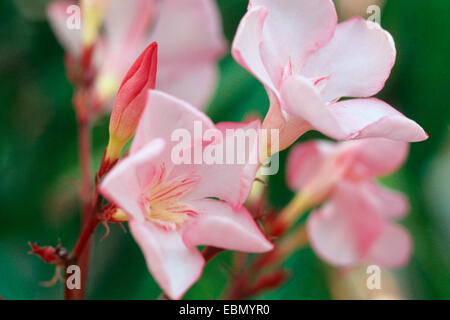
(84, 141)
(84, 145)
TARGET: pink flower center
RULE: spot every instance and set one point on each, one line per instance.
(163, 200)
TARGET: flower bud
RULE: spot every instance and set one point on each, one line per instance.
(131, 100)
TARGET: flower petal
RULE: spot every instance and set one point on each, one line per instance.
(221, 226)
(194, 82)
(331, 237)
(247, 45)
(126, 25)
(190, 30)
(344, 230)
(58, 13)
(123, 185)
(378, 157)
(365, 118)
(305, 160)
(349, 119)
(393, 247)
(388, 203)
(174, 266)
(358, 60)
(231, 177)
(292, 31)
(163, 115)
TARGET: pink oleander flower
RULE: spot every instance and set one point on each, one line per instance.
(188, 33)
(356, 223)
(173, 208)
(307, 63)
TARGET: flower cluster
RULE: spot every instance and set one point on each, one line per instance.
(187, 61)
(309, 65)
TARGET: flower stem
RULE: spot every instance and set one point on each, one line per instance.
(295, 209)
(84, 144)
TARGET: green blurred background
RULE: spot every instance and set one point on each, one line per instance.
(39, 164)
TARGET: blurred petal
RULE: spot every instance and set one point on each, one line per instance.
(174, 266)
(358, 60)
(305, 160)
(194, 82)
(345, 229)
(126, 25)
(221, 226)
(58, 16)
(388, 203)
(349, 119)
(189, 33)
(292, 31)
(378, 157)
(392, 248)
(190, 30)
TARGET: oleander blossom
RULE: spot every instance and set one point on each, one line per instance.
(173, 208)
(308, 63)
(188, 33)
(356, 223)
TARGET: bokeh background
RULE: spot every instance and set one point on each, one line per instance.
(39, 174)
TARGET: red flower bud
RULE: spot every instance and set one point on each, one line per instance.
(131, 99)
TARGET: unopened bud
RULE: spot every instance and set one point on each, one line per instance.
(131, 100)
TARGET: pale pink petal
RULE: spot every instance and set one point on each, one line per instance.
(127, 25)
(288, 130)
(174, 266)
(124, 184)
(305, 160)
(378, 157)
(292, 31)
(388, 203)
(193, 82)
(358, 60)
(231, 177)
(331, 237)
(247, 45)
(349, 119)
(345, 229)
(392, 248)
(221, 226)
(188, 30)
(164, 115)
(365, 118)
(58, 13)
